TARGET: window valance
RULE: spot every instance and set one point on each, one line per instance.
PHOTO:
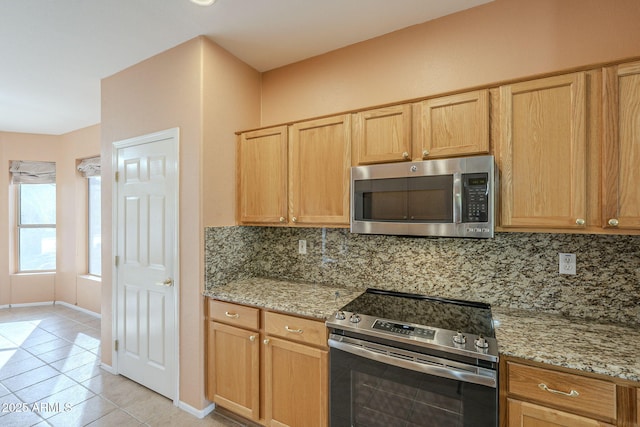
(90, 167)
(28, 172)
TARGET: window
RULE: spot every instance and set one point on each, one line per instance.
(36, 227)
(35, 184)
(94, 232)
(90, 169)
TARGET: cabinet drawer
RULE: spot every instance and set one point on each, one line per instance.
(296, 328)
(588, 395)
(528, 414)
(234, 314)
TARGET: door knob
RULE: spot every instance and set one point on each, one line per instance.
(168, 282)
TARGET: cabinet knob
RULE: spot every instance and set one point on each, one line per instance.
(613, 222)
(405, 155)
(252, 338)
(282, 219)
(580, 221)
(266, 341)
(425, 154)
(294, 219)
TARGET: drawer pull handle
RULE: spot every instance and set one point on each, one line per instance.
(572, 393)
(293, 331)
(231, 315)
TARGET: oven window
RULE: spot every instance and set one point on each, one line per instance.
(370, 393)
(379, 401)
(421, 199)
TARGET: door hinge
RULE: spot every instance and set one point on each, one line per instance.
(117, 261)
(117, 176)
(115, 345)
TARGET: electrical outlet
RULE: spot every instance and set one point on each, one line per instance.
(302, 247)
(567, 263)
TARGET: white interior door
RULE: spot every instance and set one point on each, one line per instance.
(146, 271)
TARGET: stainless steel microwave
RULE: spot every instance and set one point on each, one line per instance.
(448, 197)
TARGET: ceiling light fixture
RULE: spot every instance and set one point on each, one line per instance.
(203, 2)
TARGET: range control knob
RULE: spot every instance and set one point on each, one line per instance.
(355, 318)
(340, 315)
(459, 338)
(481, 342)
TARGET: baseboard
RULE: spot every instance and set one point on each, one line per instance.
(75, 307)
(108, 368)
(199, 413)
(31, 304)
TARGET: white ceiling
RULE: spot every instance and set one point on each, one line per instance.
(53, 53)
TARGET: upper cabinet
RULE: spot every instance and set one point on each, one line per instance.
(621, 149)
(295, 175)
(262, 176)
(456, 125)
(542, 153)
(567, 148)
(319, 171)
(382, 135)
(449, 126)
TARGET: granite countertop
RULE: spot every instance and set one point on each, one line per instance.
(302, 299)
(588, 346)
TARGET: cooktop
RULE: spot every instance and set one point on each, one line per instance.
(458, 315)
(451, 325)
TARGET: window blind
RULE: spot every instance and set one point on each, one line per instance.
(28, 172)
(90, 167)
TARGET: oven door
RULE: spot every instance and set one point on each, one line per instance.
(373, 386)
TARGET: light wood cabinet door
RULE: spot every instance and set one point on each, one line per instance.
(296, 384)
(319, 171)
(382, 135)
(621, 151)
(542, 153)
(262, 176)
(524, 414)
(233, 359)
(456, 125)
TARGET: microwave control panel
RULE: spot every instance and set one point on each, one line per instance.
(475, 197)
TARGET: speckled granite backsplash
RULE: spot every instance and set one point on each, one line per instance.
(517, 270)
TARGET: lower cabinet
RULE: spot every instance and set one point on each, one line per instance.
(270, 368)
(529, 415)
(538, 395)
(296, 384)
(234, 369)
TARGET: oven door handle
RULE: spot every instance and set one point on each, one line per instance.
(438, 371)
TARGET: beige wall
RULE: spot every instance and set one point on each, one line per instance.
(72, 246)
(17, 146)
(208, 94)
(63, 149)
(501, 40)
(225, 78)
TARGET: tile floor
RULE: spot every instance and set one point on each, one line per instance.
(50, 376)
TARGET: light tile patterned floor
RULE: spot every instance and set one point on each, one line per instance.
(50, 376)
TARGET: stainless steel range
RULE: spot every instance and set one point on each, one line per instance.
(403, 360)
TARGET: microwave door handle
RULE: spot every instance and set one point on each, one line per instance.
(457, 198)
